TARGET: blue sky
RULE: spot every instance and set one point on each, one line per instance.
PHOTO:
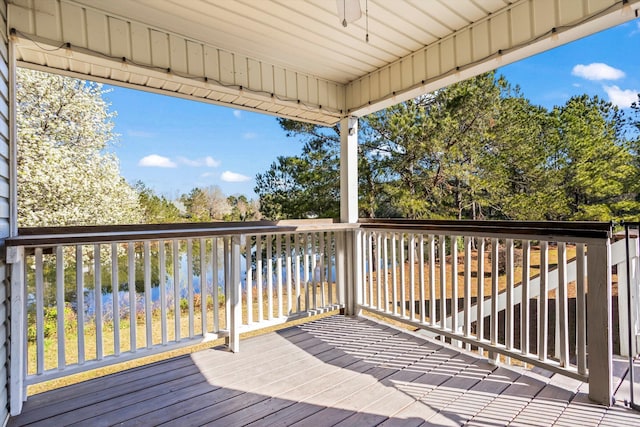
(174, 145)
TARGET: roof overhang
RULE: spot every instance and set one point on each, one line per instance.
(295, 59)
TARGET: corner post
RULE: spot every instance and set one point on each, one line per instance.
(17, 387)
(599, 333)
(349, 258)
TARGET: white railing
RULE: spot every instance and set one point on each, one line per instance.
(108, 295)
(527, 301)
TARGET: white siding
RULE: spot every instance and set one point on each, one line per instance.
(4, 209)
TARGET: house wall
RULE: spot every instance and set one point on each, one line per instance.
(5, 211)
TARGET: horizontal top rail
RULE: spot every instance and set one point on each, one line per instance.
(564, 229)
(43, 236)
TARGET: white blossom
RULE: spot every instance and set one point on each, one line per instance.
(66, 175)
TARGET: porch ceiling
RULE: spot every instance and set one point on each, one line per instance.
(294, 58)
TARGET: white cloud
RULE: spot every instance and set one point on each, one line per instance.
(228, 176)
(237, 114)
(249, 135)
(597, 71)
(156, 161)
(621, 98)
(211, 162)
(188, 162)
(206, 175)
(196, 163)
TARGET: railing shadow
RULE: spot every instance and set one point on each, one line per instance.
(336, 371)
(435, 383)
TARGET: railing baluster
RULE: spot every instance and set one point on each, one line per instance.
(423, 317)
(259, 286)
(269, 261)
(563, 313)
(556, 303)
(443, 283)
(412, 276)
(403, 281)
(115, 290)
(97, 282)
(215, 284)
(493, 331)
(524, 304)
(480, 294)
(307, 297)
(508, 327)
(133, 318)
(226, 270)
(543, 301)
(176, 289)
(322, 265)
(190, 293)
(467, 289)
(581, 309)
(60, 300)
(386, 271)
(394, 273)
(332, 268)
(249, 280)
(432, 281)
(378, 264)
(80, 306)
(287, 263)
(39, 311)
(297, 243)
(360, 265)
(162, 261)
(370, 265)
(148, 309)
(279, 273)
(314, 254)
(454, 287)
(203, 287)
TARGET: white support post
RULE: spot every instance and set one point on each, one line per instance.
(234, 296)
(349, 170)
(599, 334)
(349, 256)
(17, 387)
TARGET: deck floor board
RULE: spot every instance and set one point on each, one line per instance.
(335, 371)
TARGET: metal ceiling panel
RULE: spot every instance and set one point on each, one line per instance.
(294, 56)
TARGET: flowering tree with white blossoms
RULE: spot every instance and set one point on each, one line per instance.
(66, 175)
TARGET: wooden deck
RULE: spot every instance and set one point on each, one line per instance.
(336, 371)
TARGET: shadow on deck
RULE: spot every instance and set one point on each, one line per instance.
(332, 371)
